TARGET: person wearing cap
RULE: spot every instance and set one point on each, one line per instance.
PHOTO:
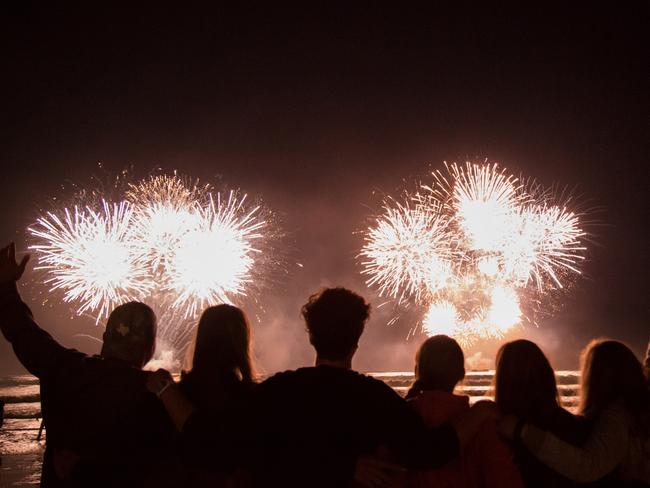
(103, 427)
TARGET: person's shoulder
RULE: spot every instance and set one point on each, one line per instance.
(374, 385)
(324, 374)
(563, 414)
(561, 419)
(616, 411)
(279, 379)
(112, 374)
(114, 366)
(569, 427)
(76, 365)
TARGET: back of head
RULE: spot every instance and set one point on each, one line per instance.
(612, 373)
(130, 334)
(525, 381)
(222, 346)
(335, 319)
(439, 365)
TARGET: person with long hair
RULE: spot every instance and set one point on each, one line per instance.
(616, 401)
(525, 387)
(222, 365)
(486, 460)
(222, 374)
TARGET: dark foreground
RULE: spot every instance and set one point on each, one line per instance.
(21, 451)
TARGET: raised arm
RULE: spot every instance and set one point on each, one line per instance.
(38, 352)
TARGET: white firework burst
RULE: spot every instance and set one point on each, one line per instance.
(90, 257)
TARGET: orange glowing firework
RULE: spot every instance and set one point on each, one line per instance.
(468, 246)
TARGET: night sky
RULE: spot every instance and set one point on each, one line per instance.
(320, 111)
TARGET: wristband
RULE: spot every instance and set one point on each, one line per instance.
(167, 384)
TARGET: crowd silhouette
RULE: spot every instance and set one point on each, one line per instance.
(111, 424)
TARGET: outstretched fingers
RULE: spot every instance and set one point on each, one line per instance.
(10, 269)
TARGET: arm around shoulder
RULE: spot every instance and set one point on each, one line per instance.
(600, 455)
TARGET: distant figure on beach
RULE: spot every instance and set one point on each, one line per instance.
(525, 387)
(103, 427)
(319, 426)
(616, 401)
(486, 460)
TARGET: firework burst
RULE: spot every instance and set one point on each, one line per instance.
(468, 246)
(226, 232)
(408, 251)
(175, 245)
(165, 210)
(89, 256)
(484, 199)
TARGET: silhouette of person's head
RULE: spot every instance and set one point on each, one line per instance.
(130, 334)
(612, 373)
(222, 347)
(439, 365)
(335, 319)
(525, 383)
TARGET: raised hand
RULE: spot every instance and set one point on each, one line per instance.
(10, 270)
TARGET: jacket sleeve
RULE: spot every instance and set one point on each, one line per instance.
(38, 352)
(599, 456)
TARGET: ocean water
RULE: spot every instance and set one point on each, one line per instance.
(21, 447)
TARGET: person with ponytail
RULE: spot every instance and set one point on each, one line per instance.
(486, 461)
